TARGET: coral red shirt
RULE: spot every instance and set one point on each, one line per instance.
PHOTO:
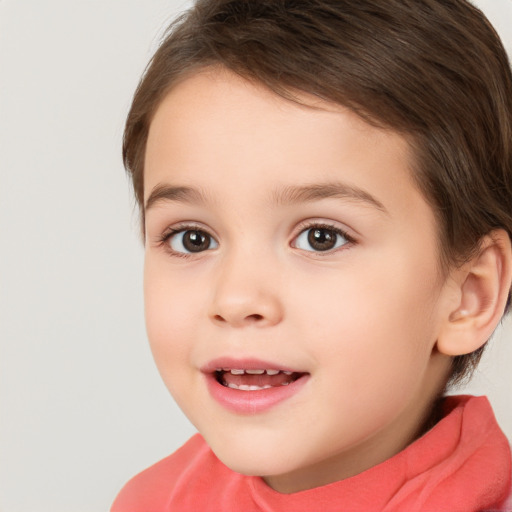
(463, 464)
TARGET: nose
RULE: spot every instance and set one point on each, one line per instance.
(246, 294)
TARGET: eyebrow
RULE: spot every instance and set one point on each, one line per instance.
(175, 193)
(314, 192)
(283, 196)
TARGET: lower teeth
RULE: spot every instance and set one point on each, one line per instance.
(245, 387)
(219, 375)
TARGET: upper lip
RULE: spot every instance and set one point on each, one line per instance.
(245, 364)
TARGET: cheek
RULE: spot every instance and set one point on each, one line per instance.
(376, 322)
(168, 305)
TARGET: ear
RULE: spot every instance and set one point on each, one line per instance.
(481, 286)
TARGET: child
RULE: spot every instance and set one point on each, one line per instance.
(325, 189)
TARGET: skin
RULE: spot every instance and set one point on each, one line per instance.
(362, 319)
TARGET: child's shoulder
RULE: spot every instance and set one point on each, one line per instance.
(152, 488)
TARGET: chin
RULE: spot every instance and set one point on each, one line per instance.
(254, 459)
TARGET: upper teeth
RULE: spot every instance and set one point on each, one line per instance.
(235, 371)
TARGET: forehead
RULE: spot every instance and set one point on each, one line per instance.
(220, 131)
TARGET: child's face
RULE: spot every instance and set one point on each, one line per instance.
(259, 275)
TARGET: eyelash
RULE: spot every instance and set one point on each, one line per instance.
(163, 240)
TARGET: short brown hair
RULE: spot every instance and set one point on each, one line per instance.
(433, 70)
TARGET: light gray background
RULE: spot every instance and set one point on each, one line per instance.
(82, 406)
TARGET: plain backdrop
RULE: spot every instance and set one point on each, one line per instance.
(82, 407)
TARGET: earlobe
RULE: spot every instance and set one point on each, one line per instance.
(483, 286)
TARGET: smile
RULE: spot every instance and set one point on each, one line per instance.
(252, 387)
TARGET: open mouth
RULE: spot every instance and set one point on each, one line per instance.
(252, 386)
(255, 379)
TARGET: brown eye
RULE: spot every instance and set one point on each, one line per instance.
(320, 239)
(191, 241)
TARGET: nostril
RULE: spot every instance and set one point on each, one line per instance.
(255, 318)
(249, 318)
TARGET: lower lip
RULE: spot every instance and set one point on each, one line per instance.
(252, 402)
